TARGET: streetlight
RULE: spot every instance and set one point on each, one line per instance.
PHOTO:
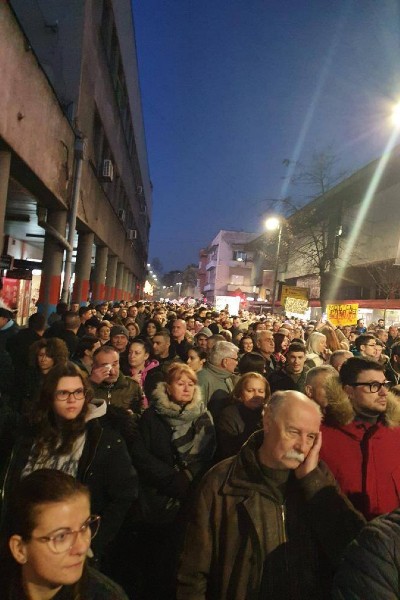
(275, 224)
(396, 115)
(179, 284)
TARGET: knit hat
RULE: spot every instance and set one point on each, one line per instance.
(119, 330)
(204, 331)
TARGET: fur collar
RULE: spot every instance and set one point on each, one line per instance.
(340, 410)
(162, 399)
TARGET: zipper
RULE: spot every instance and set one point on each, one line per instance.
(283, 515)
(6, 475)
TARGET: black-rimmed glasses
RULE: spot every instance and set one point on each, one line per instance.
(374, 386)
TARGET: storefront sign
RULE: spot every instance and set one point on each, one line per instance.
(288, 291)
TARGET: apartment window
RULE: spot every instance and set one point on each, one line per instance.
(240, 256)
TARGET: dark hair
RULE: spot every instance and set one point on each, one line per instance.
(155, 323)
(37, 322)
(296, 347)
(58, 438)
(55, 348)
(245, 337)
(202, 354)
(363, 339)
(251, 361)
(40, 487)
(143, 342)
(83, 309)
(278, 339)
(86, 342)
(356, 365)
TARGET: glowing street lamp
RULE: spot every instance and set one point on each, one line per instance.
(396, 115)
(179, 284)
(275, 224)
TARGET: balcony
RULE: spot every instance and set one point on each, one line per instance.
(212, 264)
(209, 287)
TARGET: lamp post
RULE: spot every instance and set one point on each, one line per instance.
(179, 284)
(275, 224)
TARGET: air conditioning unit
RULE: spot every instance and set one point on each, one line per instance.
(132, 234)
(108, 170)
(122, 215)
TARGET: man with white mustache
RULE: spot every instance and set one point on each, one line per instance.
(270, 522)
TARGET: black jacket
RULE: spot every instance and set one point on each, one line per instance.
(371, 566)
(105, 467)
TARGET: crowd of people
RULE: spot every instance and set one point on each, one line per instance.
(156, 451)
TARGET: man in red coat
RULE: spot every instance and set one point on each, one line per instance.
(361, 437)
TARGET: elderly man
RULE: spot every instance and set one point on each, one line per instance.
(338, 357)
(271, 521)
(119, 338)
(315, 384)
(112, 385)
(216, 379)
(361, 436)
(265, 345)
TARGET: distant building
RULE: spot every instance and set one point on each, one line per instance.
(227, 268)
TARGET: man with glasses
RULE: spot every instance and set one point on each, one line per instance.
(361, 437)
(366, 346)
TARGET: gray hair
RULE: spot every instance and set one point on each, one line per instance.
(315, 371)
(222, 350)
(313, 342)
(260, 334)
(279, 398)
(339, 354)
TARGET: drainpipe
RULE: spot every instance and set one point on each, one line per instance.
(41, 212)
(79, 149)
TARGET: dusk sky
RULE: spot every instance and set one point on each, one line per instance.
(231, 88)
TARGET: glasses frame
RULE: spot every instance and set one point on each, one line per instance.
(387, 384)
(70, 394)
(49, 539)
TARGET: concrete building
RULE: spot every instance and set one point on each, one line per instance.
(229, 264)
(75, 190)
(344, 246)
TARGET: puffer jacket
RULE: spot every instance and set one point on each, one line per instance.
(371, 566)
(125, 392)
(363, 457)
(238, 526)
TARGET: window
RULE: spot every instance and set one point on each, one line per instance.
(240, 256)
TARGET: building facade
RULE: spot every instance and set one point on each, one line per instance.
(75, 190)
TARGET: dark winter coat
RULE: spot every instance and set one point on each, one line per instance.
(125, 392)
(234, 425)
(237, 526)
(363, 457)
(371, 566)
(105, 467)
(164, 480)
(281, 380)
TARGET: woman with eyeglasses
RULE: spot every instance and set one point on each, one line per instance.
(46, 540)
(70, 432)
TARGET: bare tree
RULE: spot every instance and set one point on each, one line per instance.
(386, 276)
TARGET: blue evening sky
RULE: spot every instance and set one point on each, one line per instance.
(231, 88)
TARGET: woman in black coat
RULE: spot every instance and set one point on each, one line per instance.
(69, 432)
(236, 422)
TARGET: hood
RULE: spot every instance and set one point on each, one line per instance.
(97, 408)
(340, 410)
(162, 400)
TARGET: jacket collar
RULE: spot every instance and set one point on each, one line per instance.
(340, 411)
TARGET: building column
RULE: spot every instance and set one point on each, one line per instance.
(125, 284)
(111, 277)
(99, 274)
(119, 281)
(52, 264)
(5, 162)
(130, 287)
(83, 265)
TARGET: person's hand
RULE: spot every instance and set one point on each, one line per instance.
(99, 374)
(311, 462)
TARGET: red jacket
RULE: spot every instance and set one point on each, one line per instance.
(364, 458)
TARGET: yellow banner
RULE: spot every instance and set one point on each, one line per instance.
(293, 292)
(342, 314)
